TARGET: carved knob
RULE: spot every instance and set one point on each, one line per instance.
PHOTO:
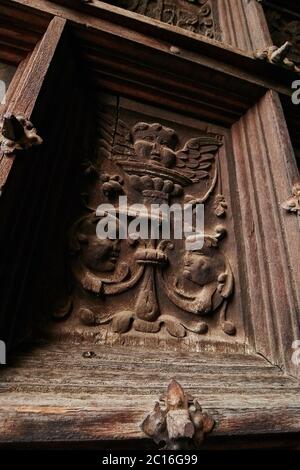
(181, 424)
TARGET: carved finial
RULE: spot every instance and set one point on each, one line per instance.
(281, 53)
(175, 397)
(17, 133)
(277, 55)
(181, 424)
(293, 203)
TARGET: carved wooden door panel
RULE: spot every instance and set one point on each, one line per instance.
(143, 103)
(154, 287)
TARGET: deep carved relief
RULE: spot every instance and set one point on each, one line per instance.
(180, 423)
(203, 284)
(151, 285)
(196, 16)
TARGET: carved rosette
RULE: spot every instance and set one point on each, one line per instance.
(151, 285)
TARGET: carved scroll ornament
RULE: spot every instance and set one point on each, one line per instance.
(180, 423)
(193, 284)
(195, 16)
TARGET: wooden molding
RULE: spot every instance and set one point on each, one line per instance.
(243, 24)
(105, 21)
(19, 32)
(106, 396)
(265, 170)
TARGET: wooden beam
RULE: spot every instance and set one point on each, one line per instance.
(105, 398)
(134, 29)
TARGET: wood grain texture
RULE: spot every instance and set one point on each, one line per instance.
(133, 55)
(19, 32)
(54, 394)
(36, 195)
(266, 170)
(103, 18)
(24, 93)
(243, 24)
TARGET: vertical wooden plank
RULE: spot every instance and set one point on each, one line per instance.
(28, 90)
(31, 77)
(6, 163)
(266, 169)
(27, 180)
(41, 195)
(243, 24)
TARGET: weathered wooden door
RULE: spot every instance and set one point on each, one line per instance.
(156, 102)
